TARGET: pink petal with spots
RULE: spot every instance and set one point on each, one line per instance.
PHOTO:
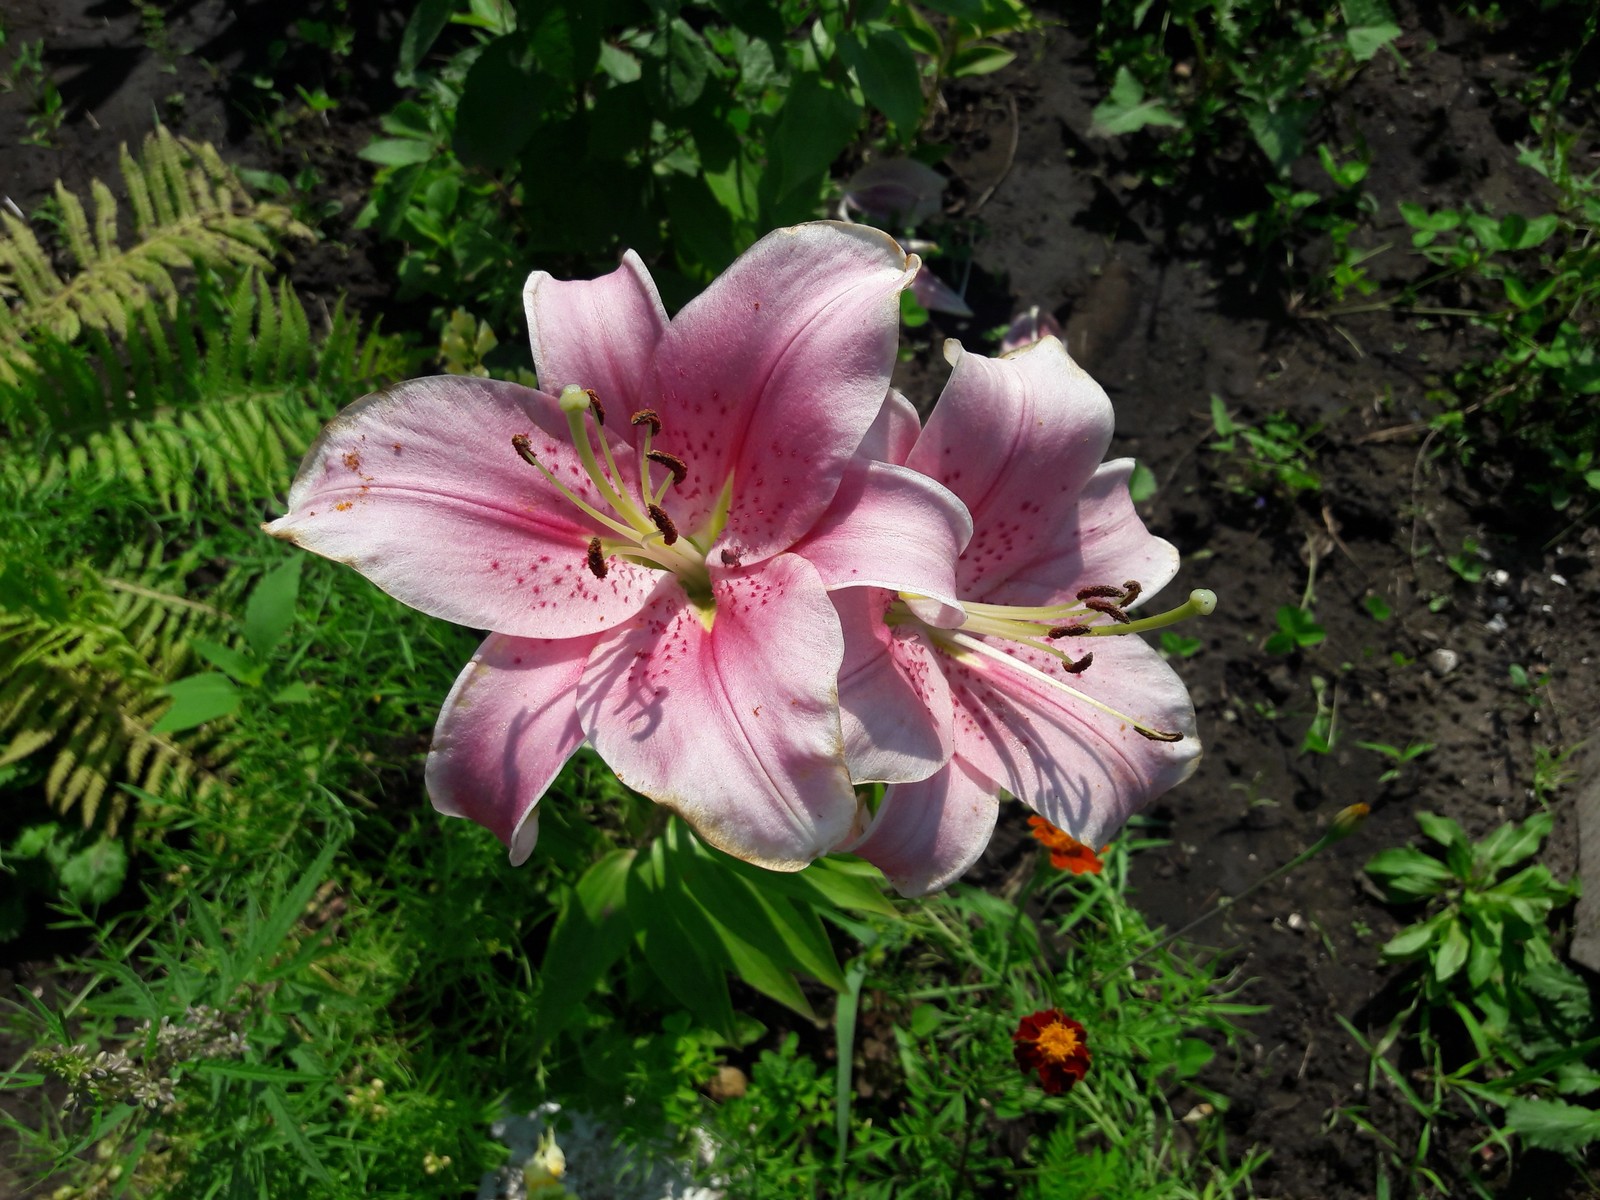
(1017, 439)
(894, 431)
(420, 490)
(894, 703)
(926, 835)
(774, 375)
(1099, 539)
(735, 727)
(1081, 769)
(889, 527)
(507, 727)
(599, 334)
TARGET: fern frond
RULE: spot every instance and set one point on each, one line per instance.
(220, 401)
(190, 212)
(84, 687)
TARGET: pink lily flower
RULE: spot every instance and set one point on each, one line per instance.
(895, 191)
(651, 537)
(1027, 688)
(1027, 327)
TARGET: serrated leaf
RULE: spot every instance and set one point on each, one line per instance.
(1552, 1124)
(196, 700)
(1126, 109)
(95, 874)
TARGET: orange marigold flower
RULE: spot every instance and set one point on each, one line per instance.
(1067, 853)
(1055, 1046)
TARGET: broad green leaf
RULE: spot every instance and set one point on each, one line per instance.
(501, 103)
(889, 77)
(817, 122)
(397, 152)
(1441, 829)
(1280, 129)
(1408, 869)
(1126, 108)
(689, 62)
(678, 942)
(1452, 955)
(1511, 843)
(237, 666)
(1408, 942)
(1141, 483)
(980, 60)
(1366, 40)
(698, 222)
(270, 611)
(196, 700)
(427, 21)
(590, 934)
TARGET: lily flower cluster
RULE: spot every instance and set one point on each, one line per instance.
(721, 550)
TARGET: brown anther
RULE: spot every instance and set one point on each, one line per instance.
(524, 448)
(1130, 592)
(669, 531)
(647, 416)
(732, 558)
(1061, 631)
(1157, 735)
(598, 409)
(597, 559)
(679, 468)
(1110, 609)
(1103, 591)
(1079, 667)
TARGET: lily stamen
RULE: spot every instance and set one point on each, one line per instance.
(974, 646)
(679, 468)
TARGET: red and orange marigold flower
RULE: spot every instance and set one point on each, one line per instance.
(1067, 853)
(1055, 1046)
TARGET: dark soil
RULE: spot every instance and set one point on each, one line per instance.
(1167, 308)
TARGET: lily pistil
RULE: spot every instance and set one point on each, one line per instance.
(1099, 610)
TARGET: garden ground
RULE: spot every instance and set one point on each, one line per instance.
(1168, 308)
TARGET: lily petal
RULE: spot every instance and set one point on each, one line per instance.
(894, 703)
(507, 727)
(892, 528)
(735, 727)
(1011, 436)
(597, 333)
(1100, 538)
(774, 374)
(935, 295)
(420, 489)
(1081, 769)
(894, 431)
(926, 835)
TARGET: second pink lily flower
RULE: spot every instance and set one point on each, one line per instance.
(653, 537)
(1028, 687)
